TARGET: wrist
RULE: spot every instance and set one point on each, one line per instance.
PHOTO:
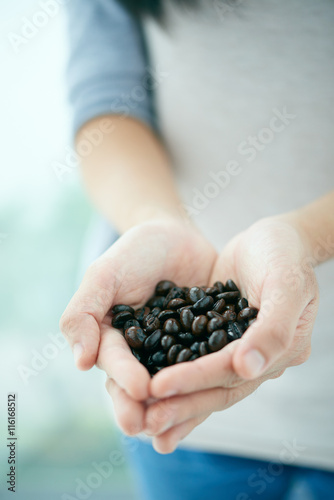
(151, 213)
(318, 248)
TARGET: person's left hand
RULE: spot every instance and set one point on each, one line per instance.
(270, 262)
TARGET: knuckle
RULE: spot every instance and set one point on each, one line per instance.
(125, 423)
(302, 357)
(222, 398)
(235, 395)
(160, 414)
(66, 323)
(281, 337)
(277, 374)
(232, 380)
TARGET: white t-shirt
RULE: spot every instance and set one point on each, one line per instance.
(249, 98)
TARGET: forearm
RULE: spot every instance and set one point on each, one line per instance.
(315, 222)
(128, 175)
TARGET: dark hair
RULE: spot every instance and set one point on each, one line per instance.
(153, 8)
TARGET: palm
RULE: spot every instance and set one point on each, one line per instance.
(151, 252)
(266, 261)
(130, 269)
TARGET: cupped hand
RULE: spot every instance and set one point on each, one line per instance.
(127, 273)
(271, 264)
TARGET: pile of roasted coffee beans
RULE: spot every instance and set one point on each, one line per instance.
(181, 324)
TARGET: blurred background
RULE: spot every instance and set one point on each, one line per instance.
(64, 417)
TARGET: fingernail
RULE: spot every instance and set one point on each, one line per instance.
(77, 352)
(254, 362)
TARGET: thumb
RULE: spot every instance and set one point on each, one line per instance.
(81, 321)
(271, 335)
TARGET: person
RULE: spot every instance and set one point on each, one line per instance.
(205, 136)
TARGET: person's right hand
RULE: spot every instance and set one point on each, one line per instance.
(127, 273)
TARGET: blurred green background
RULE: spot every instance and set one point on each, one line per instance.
(64, 417)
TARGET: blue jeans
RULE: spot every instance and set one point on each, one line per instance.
(193, 475)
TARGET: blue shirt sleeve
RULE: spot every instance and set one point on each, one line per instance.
(107, 68)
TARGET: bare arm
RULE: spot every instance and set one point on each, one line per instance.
(128, 175)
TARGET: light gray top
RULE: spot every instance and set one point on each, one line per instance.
(245, 105)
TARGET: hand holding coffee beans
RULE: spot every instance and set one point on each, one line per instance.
(181, 324)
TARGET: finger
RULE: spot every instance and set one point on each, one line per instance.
(129, 413)
(167, 442)
(81, 321)
(170, 412)
(271, 335)
(116, 359)
(215, 370)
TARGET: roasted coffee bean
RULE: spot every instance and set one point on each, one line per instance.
(163, 287)
(156, 311)
(195, 347)
(233, 333)
(151, 323)
(203, 305)
(238, 329)
(186, 319)
(230, 286)
(193, 357)
(199, 325)
(243, 325)
(217, 340)
(135, 336)
(159, 358)
(131, 322)
(242, 303)
(122, 307)
(184, 308)
(167, 341)
(180, 323)
(220, 286)
(156, 301)
(152, 342)
(172, 327)
(174, 293)
(137, 355)
(219, 306)
(167, 314)
(141, 313)
(213, 314)
(215, 324)
(203, 348)
(183, 355)
(230, 307)
(248, 313)
(195, 294)
(186, 338)
(229, 316)
(173, 352)
(176, 304)
(211, 290)
(228, 296)
(121, 318)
